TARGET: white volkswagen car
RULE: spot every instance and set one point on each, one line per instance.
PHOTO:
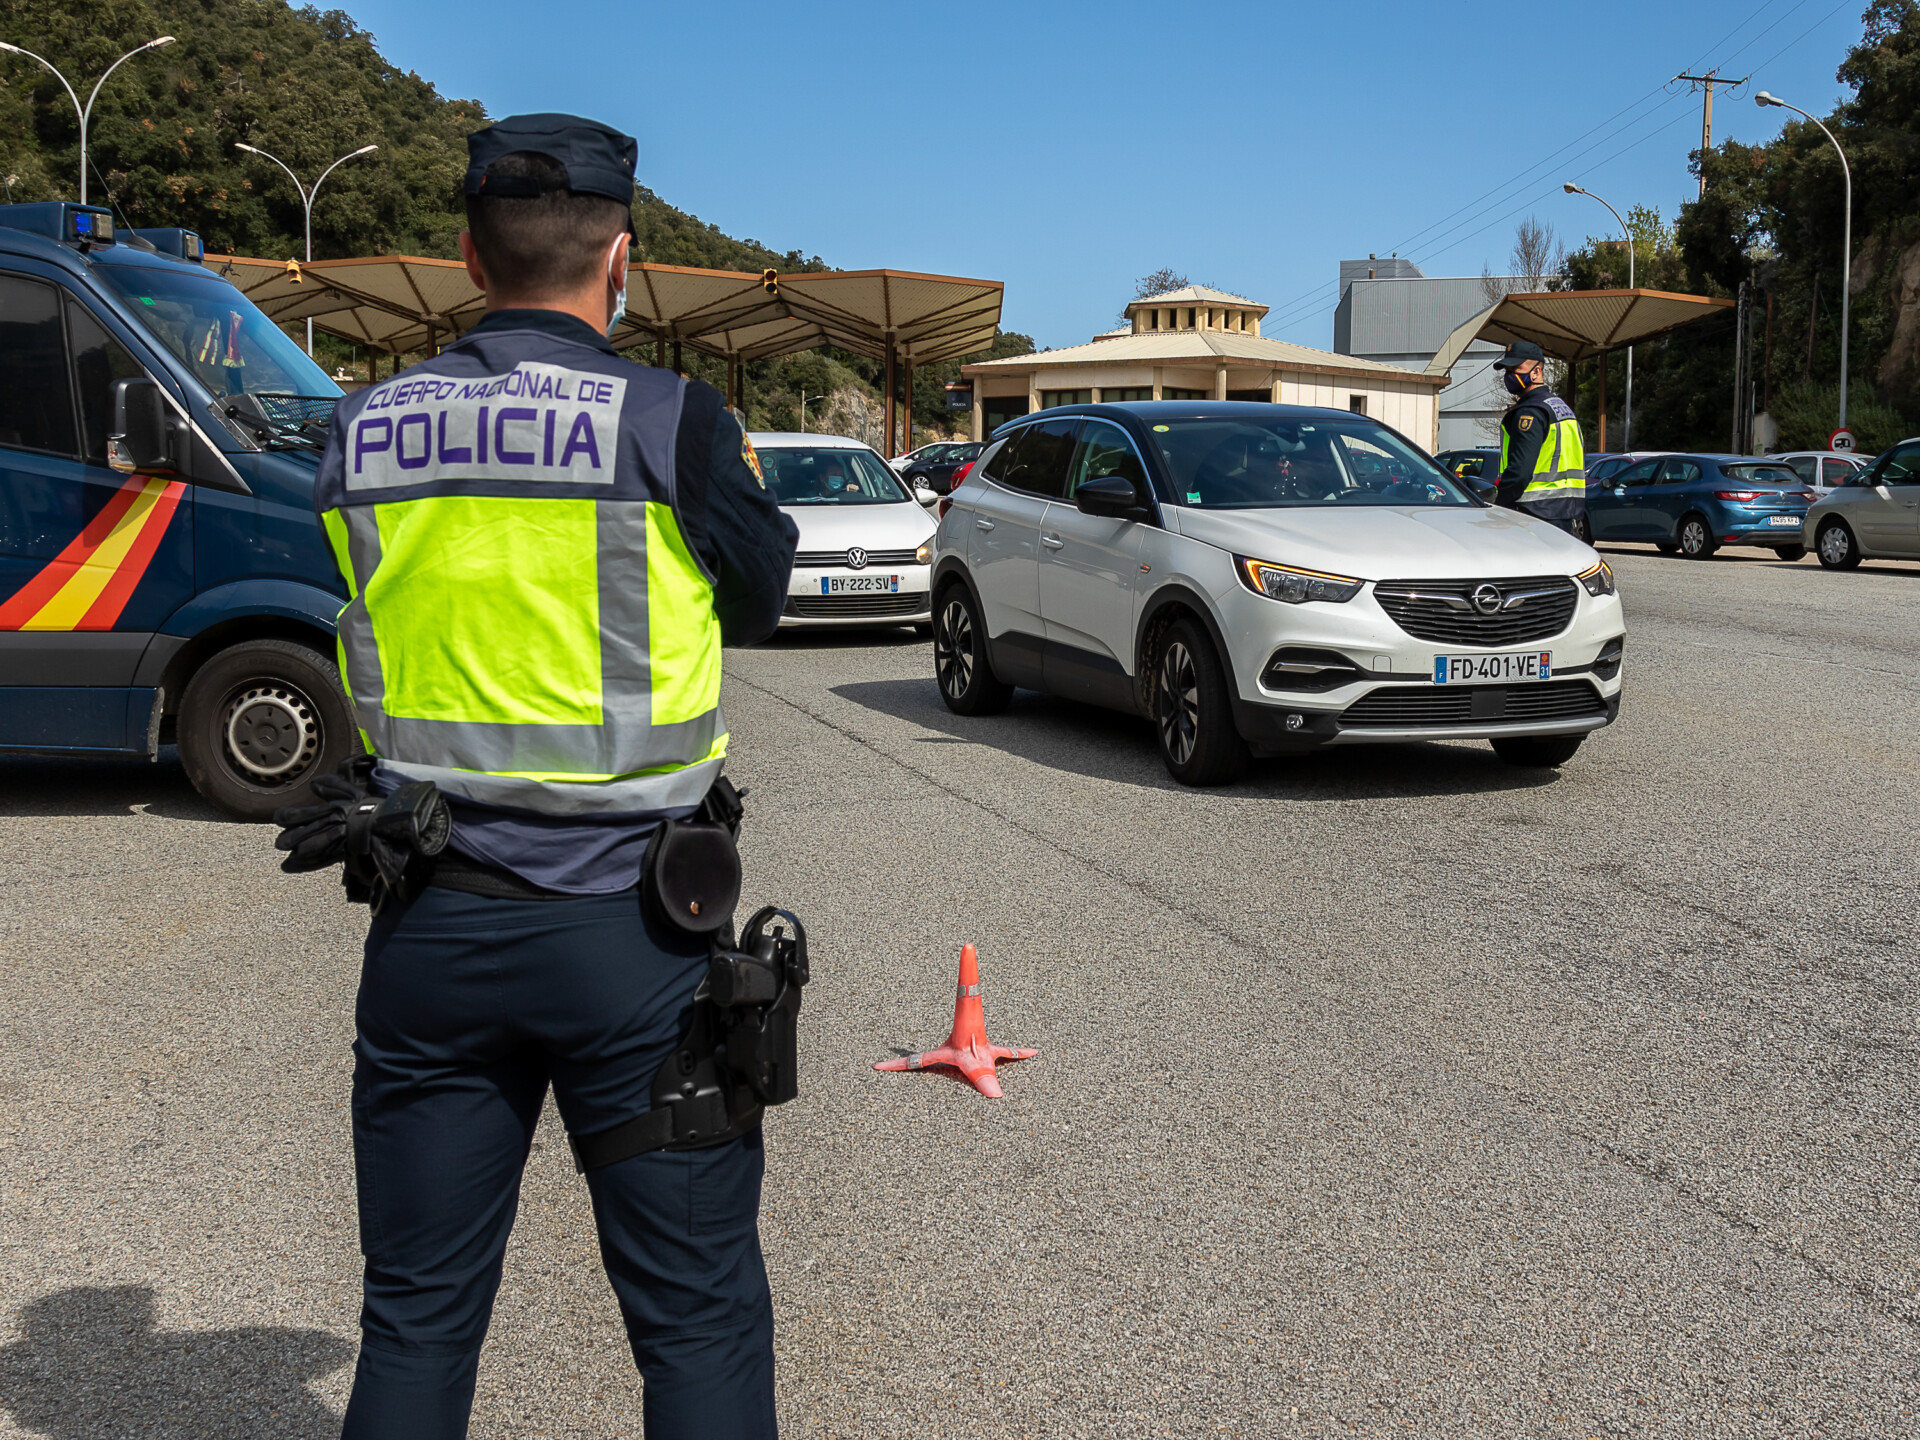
(1260, 579)
(866, 543)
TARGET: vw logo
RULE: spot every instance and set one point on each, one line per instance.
(856, 559)
(1486, 599)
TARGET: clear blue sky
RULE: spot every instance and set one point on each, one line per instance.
(1068, 148)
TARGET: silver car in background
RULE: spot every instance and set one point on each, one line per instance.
(1875, 515)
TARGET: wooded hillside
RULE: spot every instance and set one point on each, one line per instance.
(310, 85)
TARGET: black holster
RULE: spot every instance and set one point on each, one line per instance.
(737, 1054)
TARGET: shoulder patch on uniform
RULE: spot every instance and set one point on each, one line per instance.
(752, 457)
(1526, 421)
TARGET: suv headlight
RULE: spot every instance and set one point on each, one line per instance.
(1296, 587)
(1598, 580)
(924, 555)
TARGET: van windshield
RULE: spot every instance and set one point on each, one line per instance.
(216, 332)
(1234, 463)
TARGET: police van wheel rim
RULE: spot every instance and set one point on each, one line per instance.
(273, 732)
(1178, 710)
(953, 649)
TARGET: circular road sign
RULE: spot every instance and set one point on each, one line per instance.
(1843, 441)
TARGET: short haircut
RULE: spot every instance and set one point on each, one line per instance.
(543, 245)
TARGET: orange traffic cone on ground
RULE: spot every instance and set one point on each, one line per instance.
(967, 1049)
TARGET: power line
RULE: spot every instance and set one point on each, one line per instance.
(1304, 307)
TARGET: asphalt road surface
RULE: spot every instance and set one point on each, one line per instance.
(1390, 1092)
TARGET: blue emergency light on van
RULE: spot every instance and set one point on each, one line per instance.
(61, 220)
(163, 577)
(172, 240)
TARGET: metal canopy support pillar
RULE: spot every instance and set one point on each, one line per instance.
(887, 451)
(659, 352)
(1603, 402)
(907, 429)
(676, 359)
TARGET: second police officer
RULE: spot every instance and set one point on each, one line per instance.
(1543, 464)
(546, 546)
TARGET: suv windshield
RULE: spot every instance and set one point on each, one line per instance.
(830, 477)
(1235, 463)
(216, 332)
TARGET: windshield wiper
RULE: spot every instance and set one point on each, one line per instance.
(280, 421)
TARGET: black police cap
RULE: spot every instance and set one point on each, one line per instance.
(595, 159)
(1518, 354)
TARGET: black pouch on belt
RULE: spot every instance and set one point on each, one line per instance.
(690, 878)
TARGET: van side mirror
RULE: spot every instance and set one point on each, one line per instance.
(1111, 496)
(143, 430)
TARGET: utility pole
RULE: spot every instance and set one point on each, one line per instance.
(1707, 82)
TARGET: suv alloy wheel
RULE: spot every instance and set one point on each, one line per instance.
(960, 663)
(1193, 709)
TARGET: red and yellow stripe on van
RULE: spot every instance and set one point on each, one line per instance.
(88, 584)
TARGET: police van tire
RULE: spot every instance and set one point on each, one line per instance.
(961, 665)
(259, 722)
(1538, 752)
(1192, 702)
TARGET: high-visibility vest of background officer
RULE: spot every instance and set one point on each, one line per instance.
(545, 545)
(1543, 460)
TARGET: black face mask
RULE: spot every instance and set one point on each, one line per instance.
(1515, 385)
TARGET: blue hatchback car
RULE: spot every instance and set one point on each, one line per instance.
(1694, 504)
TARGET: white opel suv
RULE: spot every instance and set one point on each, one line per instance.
(1259, 579)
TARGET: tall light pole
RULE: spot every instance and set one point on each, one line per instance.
(804, 398)
(85, 112)
(1763, 99)
(306, 197)
(1626, 427)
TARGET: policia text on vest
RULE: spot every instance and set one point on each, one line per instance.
(545, 547)
(1543, 465)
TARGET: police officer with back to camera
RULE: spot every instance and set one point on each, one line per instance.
(546, 546)
(1543, 461)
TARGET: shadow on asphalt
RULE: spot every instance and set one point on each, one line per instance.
(89, 1363)
(1757, 555)
(1106, 745)
(113, 785)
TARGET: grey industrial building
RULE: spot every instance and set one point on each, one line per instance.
(1393, 314)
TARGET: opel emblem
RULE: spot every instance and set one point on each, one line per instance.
(1486, 599)
(856, 559)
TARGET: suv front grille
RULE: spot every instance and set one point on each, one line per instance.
(1531, 607)
(837, 559)
(847, 607)
(1413, 706)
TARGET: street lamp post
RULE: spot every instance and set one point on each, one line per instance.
(1763, 99)
(306, 197)
(1626, 426)
(804, 398)
(85, 112)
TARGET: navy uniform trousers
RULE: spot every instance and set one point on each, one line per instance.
(469, 1008)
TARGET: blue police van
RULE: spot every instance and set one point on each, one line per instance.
(163, 578)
